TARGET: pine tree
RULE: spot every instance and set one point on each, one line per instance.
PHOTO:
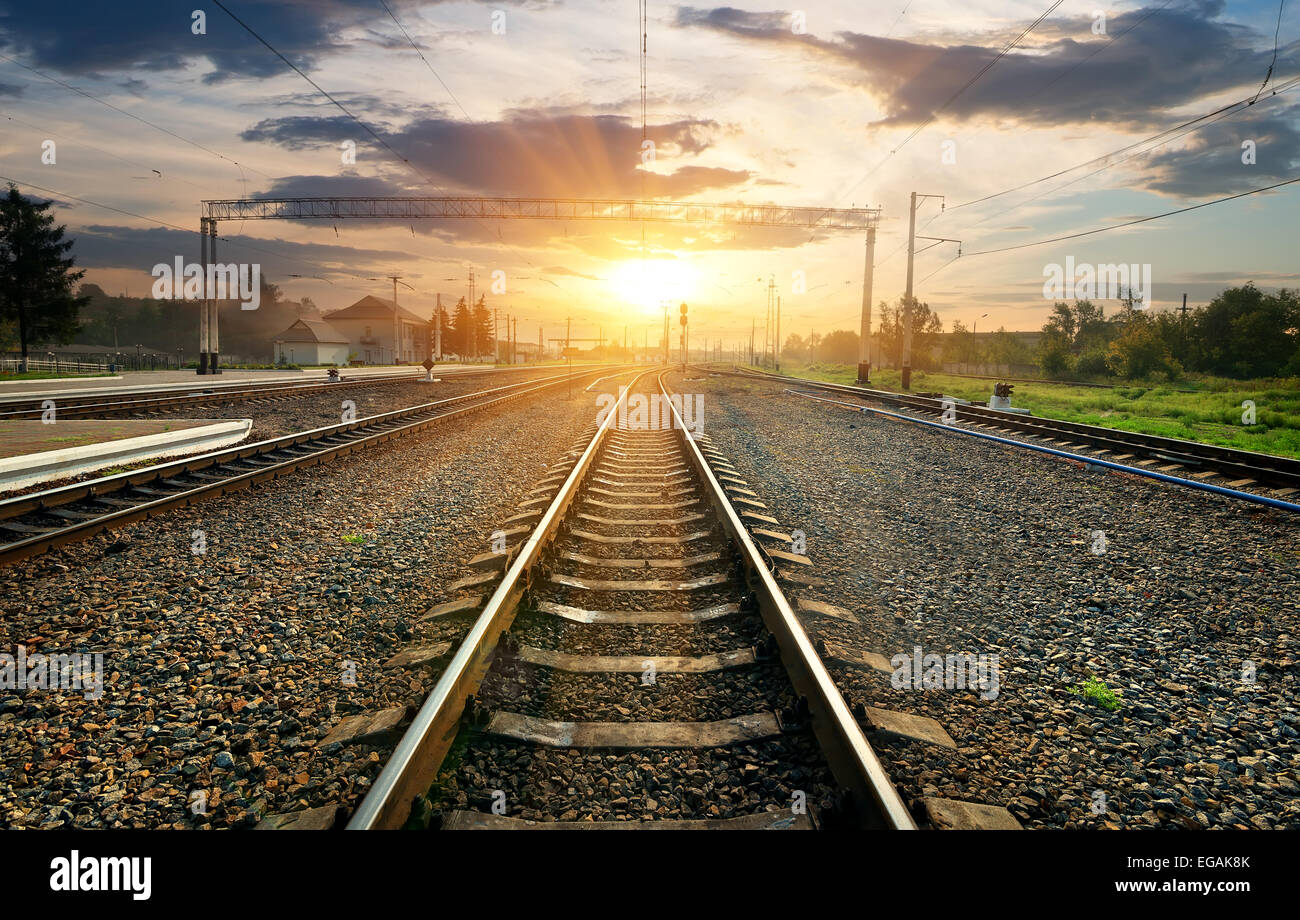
(36, 275)
(457, 339)
(483, 333)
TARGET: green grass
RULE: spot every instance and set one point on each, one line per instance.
(1210, 413)
(1094, 689)
(47, 375)
(354, 538)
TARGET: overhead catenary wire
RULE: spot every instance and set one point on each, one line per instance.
(1122, 159)
(423, 58)
(1139, 220)
(340, 106)
(143, 121)
(1273, 63)
(76, 140)
(1158, 138)
(953, 98)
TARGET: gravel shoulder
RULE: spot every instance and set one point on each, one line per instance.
(1186, 606)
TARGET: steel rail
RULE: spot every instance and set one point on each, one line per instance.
(20, 407)
(389, 424)
(414, 764)
(80, 406)
(850, 756)
(1265, 468)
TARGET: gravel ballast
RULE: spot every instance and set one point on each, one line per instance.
(1184, 604)
(224, 670)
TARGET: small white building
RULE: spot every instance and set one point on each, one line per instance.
(312, 342)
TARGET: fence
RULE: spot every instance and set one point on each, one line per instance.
(994, 370)
(73, 364)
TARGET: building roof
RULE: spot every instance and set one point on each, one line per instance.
(312, 330)
(369, 307)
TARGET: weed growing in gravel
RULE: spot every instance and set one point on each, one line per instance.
(354, 538)
(1094, 689)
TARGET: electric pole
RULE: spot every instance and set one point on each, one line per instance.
(864, 333)
(907, 296)
(437, 331)
(776, 353)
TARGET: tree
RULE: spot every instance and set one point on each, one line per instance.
(926, 329)
(1245, 332)
(484, 335)
(1076, 338)
(36, 274)
(1140, 351)
(838, 347)
(457, 338)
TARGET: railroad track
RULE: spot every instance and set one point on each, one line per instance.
(36, 522)
(1203, 463)
(109, 405)
(631, 619)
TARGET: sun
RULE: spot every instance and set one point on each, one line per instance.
(646, 286)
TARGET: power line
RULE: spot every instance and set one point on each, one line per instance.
(143, 121)
(1140, 220)
(426, 62)
(1276, 32)
(341, 107)
(939, 269)
(901, 14)
(1102, 46)
(1158, 138)
(45, 130)
(1278, 91)
(953, 98)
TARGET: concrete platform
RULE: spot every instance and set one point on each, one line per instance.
(32, 452)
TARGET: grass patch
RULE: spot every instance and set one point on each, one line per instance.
(47, 375)
(1097, 691)
(354, 538)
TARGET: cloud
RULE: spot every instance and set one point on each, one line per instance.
(155, 35)
(1055, 80)
(536, 154)
(1211, 161)
(11, 89)
(106, 246)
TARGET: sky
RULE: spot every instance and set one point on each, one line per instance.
(827, 104)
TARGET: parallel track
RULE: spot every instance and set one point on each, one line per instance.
(639, 551)
(1241, 468)
(108, 405)
(34, 523)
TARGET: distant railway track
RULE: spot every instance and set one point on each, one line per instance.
(36, 522)
(638, 546)
(167, 399)
(1201, 463)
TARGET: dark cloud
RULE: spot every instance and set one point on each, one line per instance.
(538, 155)
(105, 246)
(1178, 55)
(11, 89)
(155, 35)
(1211, 162)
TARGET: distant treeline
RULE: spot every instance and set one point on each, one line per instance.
(1244, 333)
(124, 322)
